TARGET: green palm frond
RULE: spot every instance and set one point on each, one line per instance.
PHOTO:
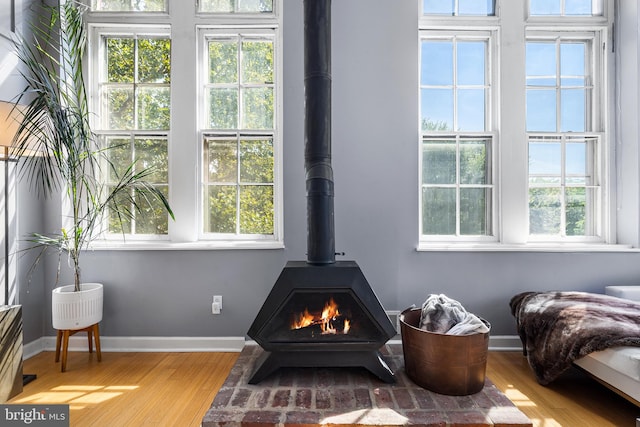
(56, 124)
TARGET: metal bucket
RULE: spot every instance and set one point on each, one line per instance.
(446, 364)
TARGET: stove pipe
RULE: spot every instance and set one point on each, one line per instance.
(317, 121)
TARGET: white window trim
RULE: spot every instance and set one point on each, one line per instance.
(491, 35)
(185, 162)
(598, 124)
(95, 72)
(271, 31)
(511, 186)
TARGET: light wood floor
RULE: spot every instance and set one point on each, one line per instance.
(176, 389)
(573, 400)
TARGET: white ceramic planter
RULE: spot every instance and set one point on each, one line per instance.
(76, 310)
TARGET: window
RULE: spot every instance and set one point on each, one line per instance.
(129, 5)
(236, 6)
(514, 142)
(457, 147)
(202, 107)
(134, 116)
(458, 7)
(238, 118)
(566, 7)
(562, 117)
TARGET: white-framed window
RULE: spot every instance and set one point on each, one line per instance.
(193, 91)
(132, 96)
(129, 5)
(458, 7)
(236, 6)
(539, 137)
(457, 162)
(585, 8)
(564, 131)
(238, 130)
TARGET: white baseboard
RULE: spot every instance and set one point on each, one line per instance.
(505, 343)
(198, 344)
(496, 343)
(34, 347)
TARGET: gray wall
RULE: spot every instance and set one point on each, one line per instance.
(30, 214)
(375, 54)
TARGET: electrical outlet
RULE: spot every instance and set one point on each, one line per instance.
(217, 299)
(215, 308)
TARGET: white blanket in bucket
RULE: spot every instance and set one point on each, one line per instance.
(444, 315)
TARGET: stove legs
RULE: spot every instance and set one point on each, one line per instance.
(269, 362)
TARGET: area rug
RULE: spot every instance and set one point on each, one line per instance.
(350, 396)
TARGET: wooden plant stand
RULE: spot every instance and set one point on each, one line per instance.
(62, 339)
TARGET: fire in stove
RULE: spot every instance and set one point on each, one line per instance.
(327, 321)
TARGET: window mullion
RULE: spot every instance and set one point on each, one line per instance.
(238, 183)
(563, 186)
(135, 83)
(455, 84)
(240, 116)
(513, 164)
(558, 86)
(239, 125)
(458, 183)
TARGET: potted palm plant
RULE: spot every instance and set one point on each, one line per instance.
(55, 122)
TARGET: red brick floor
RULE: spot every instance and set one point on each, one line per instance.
(350, 396)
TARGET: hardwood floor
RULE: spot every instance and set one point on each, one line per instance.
(573, 400)
(129, 389)
(176, 389)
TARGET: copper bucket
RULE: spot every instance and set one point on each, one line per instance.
(446, 364)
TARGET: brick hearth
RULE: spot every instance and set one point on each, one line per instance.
(340, 396)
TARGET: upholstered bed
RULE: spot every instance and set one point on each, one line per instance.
(598, 333)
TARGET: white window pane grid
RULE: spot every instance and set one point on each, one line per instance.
(238, 192)
(566, 8)
(454, 84)
(564, 96)
(564, 187)
(238, 185)
(149, 151)
(457, 174)
(235, 98)
(459, 7)
(236, 6)
(134, 101)
(142, 111)
(129, 5)
(457, 191)
(560, 85)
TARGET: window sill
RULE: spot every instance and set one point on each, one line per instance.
(158, 245)
(525, 247)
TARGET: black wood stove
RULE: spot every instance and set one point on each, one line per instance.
(320, 313)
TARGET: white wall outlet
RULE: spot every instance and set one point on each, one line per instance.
(215, 308)
(218, 299)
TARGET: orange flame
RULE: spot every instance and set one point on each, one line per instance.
(303, 320)
(326, 319)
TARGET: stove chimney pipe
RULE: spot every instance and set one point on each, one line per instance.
(317, 153)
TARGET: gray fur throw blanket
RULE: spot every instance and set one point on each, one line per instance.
(557, 328)
(445, 315)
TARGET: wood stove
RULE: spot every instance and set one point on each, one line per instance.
(321, 316)
(320, 313)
